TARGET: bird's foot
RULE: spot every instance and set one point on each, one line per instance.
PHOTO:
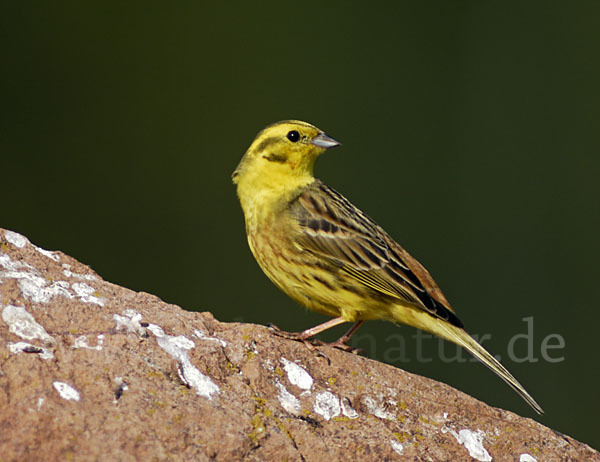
(298, 336)
(340, 344)
(343, 346)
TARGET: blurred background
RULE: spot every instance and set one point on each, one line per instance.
(470, 132)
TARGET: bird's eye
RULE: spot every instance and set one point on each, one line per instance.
(293, 136)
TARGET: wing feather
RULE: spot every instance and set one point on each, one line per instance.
(335, 229)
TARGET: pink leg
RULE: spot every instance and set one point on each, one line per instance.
(344, 338)
(341, 342)
(308, 333)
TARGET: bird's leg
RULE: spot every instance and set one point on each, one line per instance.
(308, 333)
(305, 335)
(341, 343)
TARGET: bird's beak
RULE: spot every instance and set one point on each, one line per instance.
(324, 141)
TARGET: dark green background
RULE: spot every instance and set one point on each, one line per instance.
(470, 131)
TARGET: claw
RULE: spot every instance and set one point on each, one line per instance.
(342, 346)
(323, 355)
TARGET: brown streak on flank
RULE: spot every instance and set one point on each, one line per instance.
(296, 278)
(284, 257)
(323, 282)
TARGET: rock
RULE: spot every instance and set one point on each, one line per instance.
(90, 370)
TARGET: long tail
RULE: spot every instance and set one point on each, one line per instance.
(459, 336)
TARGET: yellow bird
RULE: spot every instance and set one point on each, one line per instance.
(328, 255)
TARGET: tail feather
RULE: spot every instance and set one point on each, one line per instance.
(457, 335)
(463, 339)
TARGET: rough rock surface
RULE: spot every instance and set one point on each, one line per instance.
(93, 371)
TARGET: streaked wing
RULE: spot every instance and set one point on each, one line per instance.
(337, 230)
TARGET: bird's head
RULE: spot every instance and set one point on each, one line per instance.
(283, 152)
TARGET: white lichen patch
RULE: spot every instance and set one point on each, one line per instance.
(70, 274)
(130, 322)
(378, 409)
(10, 266)
(24, 347)
(327, 405)
(527, 458)
(202, 336)
(85, 293)
(177, 347)
(66, 391)
(347, 409)
(32, 285)
(81, 342)
(397, 446)
(16, 239)
(297, 375)
(47, 253)
(288, 401)
(21, 241)
(38, 289)
(471, 440)
(21, 323)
